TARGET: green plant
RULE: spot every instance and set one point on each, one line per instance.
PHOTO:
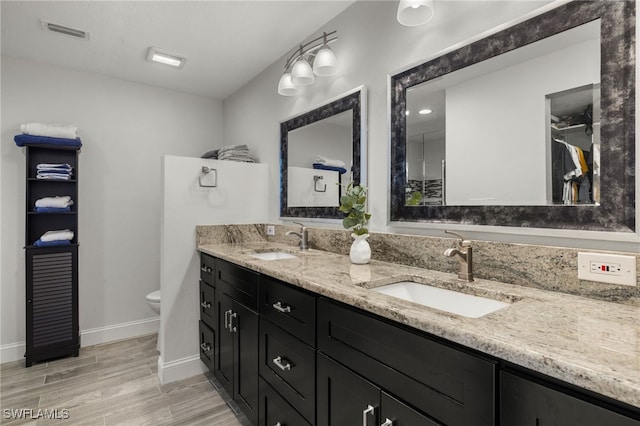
(415, 199)
(354, 203)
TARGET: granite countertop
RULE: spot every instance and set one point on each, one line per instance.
(589, 343)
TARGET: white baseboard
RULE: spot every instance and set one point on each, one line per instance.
(180, 369)
(126, 330)
(93, 336)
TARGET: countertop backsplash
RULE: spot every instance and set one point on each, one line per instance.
(542, 267)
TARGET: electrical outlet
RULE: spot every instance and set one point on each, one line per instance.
(607, 268)
(271, 230)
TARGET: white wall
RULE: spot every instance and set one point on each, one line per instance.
(240, 197)
(126, 128)
(322, 138)
(303, 191)
(371, 46)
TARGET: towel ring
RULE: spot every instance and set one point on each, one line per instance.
(316, 178)
(206, 170)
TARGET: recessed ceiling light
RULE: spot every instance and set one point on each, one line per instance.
(425, 111)
(406, 112)
(62, 29)
(164, 57)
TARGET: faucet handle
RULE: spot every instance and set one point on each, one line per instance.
(302, 227)
(462, 242)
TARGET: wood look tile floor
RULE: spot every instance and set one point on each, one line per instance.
(111, 384)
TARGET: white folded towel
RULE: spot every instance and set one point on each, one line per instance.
(66, 131)
(59, 235)
(54, 166)
(59, 202)
(53, 176)
(328, 161)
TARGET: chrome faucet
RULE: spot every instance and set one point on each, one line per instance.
(464, 253)
(303, 235)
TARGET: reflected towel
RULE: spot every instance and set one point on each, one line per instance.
(319, 166)
(63, 234)
(318, 159)
(54, 167)
(66, 131)
(59, 201)
(53, 176)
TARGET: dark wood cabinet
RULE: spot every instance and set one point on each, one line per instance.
(346, 398)
(236, 364)
(275, 410)
(52, 328)
(447, 384)
(525, 402)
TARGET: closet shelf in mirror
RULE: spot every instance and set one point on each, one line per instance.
(46, 213)
(51, 180)
(574, 126)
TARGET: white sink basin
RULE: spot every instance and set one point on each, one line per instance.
(451, 301)
(273, 255)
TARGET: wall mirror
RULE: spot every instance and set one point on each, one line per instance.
(532, 126)
(321, 151)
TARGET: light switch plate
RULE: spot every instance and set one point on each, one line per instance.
(607, 268)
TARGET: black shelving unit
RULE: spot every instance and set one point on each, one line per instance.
(51, 272)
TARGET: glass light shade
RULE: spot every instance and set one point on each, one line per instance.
(285, 86)
(301, 73)
(412, 13)
(325, 64)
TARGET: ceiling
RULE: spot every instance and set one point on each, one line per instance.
(226, 43)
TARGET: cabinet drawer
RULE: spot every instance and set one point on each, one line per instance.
(291, 308)
(454, 387)
(288, 364)
(239, 283)
(274, 410)
(207, 268)
(525, 402)
(207, 304)
(207, 345)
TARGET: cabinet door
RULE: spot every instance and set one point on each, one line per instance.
(345, 398)
(207, 346)
(207, 305)
(396, 413)
(244, 326)
(527, 403)
(224, 361)
(274, 410)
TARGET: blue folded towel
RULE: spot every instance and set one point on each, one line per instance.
(40, 243)
(23, 140)
(52, 209)
(335, 169)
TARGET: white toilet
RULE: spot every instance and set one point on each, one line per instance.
(153, 299)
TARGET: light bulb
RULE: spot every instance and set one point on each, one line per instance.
(285, 86)
(301, 73)
(325, 64)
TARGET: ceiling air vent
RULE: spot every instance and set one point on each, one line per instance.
(61, 29)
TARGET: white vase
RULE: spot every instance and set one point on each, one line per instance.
(360, 250)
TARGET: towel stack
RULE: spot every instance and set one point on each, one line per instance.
(236, 153)
(54, 171)
(53, 204)
(324, 163)
(55, 238)
(63, 135)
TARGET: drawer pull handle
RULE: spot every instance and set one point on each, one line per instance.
(232, 328)
(284, 309)
(278, 362)
(387, 422)
(205, 304)
(369, 410)
(205, 347)
(205, 269)
(226, 318)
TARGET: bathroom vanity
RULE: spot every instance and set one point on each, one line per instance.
(311, 343)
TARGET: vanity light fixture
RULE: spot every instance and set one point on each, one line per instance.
(314, 58)
(155, 54)
(413, 13)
